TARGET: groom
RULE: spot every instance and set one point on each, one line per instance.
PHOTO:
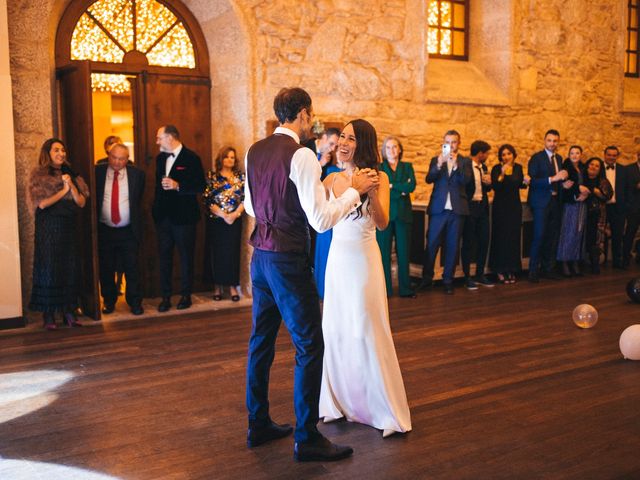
(283, 192)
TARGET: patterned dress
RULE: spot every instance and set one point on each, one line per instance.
(56, 265)
(222, 241)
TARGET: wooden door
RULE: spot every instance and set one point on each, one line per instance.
(76, 117)
(186, 103)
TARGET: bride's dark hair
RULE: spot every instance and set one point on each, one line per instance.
(366, 154)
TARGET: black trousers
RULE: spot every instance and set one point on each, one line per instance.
(118, 248)
(183, 238)
(475, 239)
(633, 222)
(616, 219)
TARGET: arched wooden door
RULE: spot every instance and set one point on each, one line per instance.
(159, 46)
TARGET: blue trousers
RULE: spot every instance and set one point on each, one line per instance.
(284, 290)
(445, 226)
(546, 230)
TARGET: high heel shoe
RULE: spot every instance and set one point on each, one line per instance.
(49, 322)
(503, 278)
(71, 320)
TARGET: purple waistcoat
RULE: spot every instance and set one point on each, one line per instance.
(281, 224)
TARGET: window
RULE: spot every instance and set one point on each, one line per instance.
(447, 29)
(631, 52)
(110, 29)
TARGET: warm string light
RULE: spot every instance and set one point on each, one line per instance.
(107, 82)
(440, 20)
(153, 24)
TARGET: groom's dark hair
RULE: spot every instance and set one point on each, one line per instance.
(289, 102)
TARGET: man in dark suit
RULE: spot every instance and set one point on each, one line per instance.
(475, 235)
(449, 173)
(545, 171)
(179, 179)
(119, 189)
(633, 210)
(617, 205)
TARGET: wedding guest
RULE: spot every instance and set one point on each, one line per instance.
(56, 194)
(402, 181)
(475, 233)
(545, 170)
(323, 240)
(109, 142)
(600, 192)
(572, 195)
(616, 205)
(633, 211)
(223, 198)
(506, 180)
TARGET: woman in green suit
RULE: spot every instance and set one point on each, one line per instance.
(402, 181)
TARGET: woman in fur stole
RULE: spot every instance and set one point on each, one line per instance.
(56, 193)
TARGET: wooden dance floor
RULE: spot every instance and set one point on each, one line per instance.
(501, 385)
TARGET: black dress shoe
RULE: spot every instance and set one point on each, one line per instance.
(551, 275)
(258, 436)
(165, 304)
(137, 310)
(108, 308)
(409, 295)
(425, 284)
(185, 302)
(320, 450)
(533, 278)
(448, 289)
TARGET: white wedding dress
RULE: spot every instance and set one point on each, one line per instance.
(361, 377)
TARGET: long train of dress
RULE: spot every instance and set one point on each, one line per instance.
(361, 378)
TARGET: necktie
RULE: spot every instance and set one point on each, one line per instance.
(610, 167)
(115, 200)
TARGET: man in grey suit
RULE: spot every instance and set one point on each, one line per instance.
(119, 189)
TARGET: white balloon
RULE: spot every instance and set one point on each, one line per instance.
(630, 342)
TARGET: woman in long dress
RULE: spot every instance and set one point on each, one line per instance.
(574, 214)
(56, 194)
(223, 198)
(506, 180)
(361, 377)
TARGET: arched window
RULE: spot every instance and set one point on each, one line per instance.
(448, 29)
(110, 29)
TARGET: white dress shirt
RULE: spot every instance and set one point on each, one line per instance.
(452, 166)
(477, 177)
(305, 172)
(123, 190)
(171, 159)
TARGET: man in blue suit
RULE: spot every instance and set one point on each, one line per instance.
(449, 173)
(545, 170)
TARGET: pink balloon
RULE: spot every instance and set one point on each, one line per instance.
(630, 342)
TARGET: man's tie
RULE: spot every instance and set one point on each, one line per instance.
(115, 200)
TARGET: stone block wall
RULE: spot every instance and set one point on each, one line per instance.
(533, 66)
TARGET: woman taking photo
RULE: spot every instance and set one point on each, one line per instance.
(506, 181)
(223, 198)
(56, 194)
(402, 181)
(572, 196)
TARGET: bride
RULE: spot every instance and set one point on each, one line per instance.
(361, 377)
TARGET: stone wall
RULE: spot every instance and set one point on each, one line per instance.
(533, 66)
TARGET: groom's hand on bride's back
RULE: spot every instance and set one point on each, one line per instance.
(365, 180)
